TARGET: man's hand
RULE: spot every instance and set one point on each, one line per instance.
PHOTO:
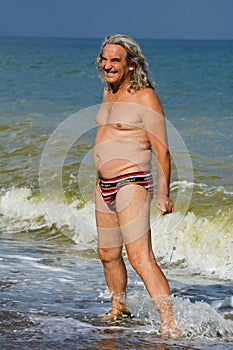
(164, 204)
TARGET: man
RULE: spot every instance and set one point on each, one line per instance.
(130, 125)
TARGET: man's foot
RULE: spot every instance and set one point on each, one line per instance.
(117, 314)
(171, 331)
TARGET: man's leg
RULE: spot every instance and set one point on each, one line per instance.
(116, 277)
(134, 220)
(109, 250)
(142, 259)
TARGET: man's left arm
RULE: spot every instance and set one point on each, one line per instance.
(155, 126)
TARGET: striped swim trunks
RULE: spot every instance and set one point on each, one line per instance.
(110, 187)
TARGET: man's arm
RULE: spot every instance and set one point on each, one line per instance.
(163, 202)
(155, 126)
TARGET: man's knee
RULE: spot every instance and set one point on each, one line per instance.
(108, 255)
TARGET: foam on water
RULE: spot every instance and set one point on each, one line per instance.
(194, 319)
(21, 211)
(199, 319)
(198, 244)
(195, 243)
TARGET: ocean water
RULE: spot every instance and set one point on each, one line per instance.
(52, 287)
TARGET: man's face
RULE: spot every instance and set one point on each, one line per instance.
(114, 64)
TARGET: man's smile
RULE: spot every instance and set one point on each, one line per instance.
(110, 72)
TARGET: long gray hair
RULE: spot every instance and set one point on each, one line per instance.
(140, 77)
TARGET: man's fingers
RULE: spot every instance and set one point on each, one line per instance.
(165, 208)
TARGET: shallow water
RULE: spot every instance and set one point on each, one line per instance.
(52, 295)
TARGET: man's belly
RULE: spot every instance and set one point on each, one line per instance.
(120, 156)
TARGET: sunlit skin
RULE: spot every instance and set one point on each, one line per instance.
(117, 74)
(115, 68)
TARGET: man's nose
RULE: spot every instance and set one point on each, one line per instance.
(108, 65)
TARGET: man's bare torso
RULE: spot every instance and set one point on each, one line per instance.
(122, 145)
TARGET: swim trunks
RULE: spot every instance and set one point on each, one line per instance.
(110, 187)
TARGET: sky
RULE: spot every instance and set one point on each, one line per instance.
(152, 19)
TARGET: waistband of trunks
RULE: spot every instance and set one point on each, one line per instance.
(141, 178)
(146, 175)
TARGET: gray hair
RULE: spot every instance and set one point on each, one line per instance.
(140, 77)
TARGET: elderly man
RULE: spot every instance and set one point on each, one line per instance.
(130, 126)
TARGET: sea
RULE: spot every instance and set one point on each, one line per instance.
(52, 285)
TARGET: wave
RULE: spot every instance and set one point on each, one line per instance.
(198, 244)
(21, 211)
(199, 241)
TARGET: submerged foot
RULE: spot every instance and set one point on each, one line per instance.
(169, 331)
(117, 314)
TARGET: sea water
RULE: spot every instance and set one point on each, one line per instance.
(52, 287)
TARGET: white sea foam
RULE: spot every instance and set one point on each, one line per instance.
(199, 319)
(196, 244)
(194, 319)
(20, 211)
(183, 185)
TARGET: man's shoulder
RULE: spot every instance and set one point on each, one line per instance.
(147, 97)
(147, 92)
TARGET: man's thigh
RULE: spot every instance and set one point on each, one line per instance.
(109, 233)
(133, 212)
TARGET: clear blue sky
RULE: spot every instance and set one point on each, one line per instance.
(162, 19)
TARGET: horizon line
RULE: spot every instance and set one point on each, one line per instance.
(101, 38)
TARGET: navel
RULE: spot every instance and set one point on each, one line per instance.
(118, 125)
